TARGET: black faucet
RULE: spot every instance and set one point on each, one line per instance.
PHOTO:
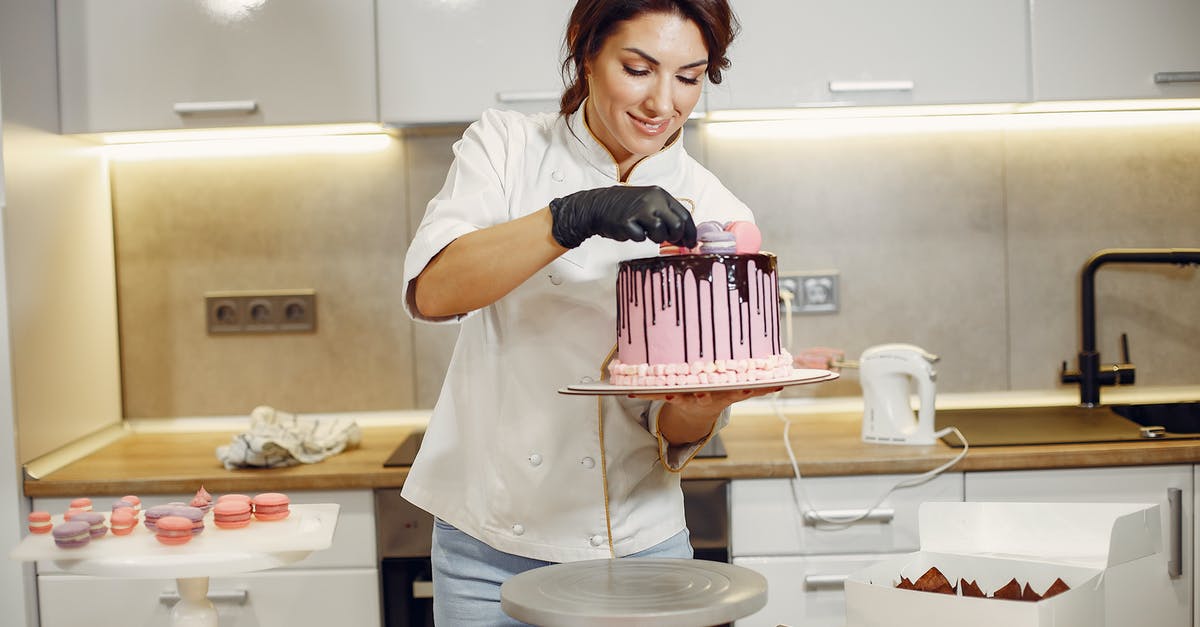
(1090, 376)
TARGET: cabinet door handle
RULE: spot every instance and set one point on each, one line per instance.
(1175, 532)
(1163, 78)
(838, 87)
(825, 582)
(422, 589)
(512, 97)
(818, 517)
(216, 107)
(239, 596)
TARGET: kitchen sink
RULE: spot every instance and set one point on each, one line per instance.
(1173, 417)
(1072, 424)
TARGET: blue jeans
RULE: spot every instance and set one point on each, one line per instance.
(467, 575)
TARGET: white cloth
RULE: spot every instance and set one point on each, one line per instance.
(506, 458)
(277, 439)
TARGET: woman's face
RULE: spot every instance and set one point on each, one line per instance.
(644, 83)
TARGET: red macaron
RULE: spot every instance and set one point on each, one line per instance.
(271, 506)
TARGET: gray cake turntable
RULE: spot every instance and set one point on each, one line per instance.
(659, 592)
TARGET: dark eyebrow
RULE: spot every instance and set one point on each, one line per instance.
(654, 61)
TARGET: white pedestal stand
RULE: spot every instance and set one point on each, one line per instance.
(213, 553)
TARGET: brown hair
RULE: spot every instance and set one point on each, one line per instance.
(593, 21)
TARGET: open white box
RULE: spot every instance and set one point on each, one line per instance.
(1110, 554)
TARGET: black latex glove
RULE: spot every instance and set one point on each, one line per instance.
(622, 213)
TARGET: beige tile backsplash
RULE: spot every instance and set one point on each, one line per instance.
(966, 243)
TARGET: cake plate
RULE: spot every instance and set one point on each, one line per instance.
(215, 552)
(799, 376)
(658, 592)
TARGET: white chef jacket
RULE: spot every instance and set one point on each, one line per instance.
(505, 458)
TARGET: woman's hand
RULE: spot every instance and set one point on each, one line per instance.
(622, 213)
(690, 416)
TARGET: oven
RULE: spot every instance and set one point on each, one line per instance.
(404, 536)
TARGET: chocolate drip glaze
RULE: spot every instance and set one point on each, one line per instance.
(672, 272)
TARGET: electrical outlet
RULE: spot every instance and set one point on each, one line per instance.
(811, 292)
(268, 311)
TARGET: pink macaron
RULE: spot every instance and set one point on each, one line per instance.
(122, 521)
(231, 514)
(271, 506)
(84, 504)
(747, 236)
(173, 530)
(39, 522)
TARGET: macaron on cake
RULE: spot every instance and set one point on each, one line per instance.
(271, 506)
(173, 530)
(72, 534)
(84, 504)
(231, 514)
(122, 521)
(39, 522)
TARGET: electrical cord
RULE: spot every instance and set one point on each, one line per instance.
(800, 496)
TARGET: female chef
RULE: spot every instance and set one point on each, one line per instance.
(520, 247)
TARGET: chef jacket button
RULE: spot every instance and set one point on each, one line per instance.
(555, 279)
(558, 176)
(596, 540)
(587, 462)
(535, 460)
(518, 529)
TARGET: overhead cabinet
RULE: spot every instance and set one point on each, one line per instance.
(169, 64)
(1116, 49)
(449, 61)
(876, 52)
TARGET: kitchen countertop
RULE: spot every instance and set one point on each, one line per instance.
(826, 443)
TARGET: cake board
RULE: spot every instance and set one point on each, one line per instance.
(261, 545)
(799, 376)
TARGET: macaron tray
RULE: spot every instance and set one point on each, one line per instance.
(307, 528)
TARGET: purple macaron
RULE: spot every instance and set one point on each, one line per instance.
(194, 514)
(72, 534)
(95, 521)
(152, 514)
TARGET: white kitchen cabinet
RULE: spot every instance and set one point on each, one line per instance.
(1109, 49)
(167, 64)
(265, 599)
(449, 61)
(806, 563)
(1133, 484)
(804, 590)
(875, 52)
(339, 585)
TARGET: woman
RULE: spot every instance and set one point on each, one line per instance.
(517, 475)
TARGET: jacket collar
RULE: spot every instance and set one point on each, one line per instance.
(585, 145)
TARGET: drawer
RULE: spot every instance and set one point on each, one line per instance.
(766, 520)
(280, 598)
(353, 539)
(806, 591)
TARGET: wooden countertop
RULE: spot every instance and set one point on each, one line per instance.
(824, 444)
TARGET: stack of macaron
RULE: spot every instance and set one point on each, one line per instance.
(737, 237)
(232, 513)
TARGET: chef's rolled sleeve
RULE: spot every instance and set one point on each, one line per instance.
(675, 457)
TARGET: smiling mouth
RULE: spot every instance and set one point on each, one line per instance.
(650, 128)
